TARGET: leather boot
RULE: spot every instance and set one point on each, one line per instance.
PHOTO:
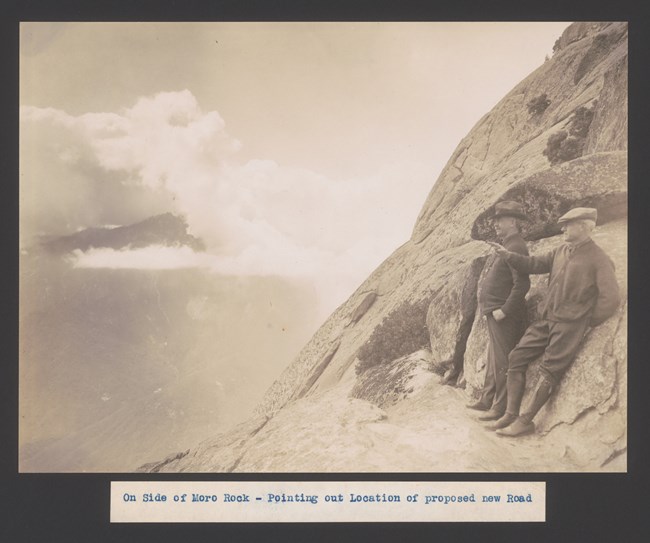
(478, 405)
(506, 420)
(524, 424)
(515, 385)
(492, 414)
(520, 427)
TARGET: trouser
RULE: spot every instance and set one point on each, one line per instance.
(557, 341)
(503, 335)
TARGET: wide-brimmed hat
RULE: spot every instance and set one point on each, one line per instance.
(579, 213)
(509, 208)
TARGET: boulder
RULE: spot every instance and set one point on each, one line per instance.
(598, 180)
(475, 360)
(451, 315)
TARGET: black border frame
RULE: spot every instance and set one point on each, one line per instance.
(76, 507)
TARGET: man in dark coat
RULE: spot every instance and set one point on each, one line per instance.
(502, 301)
(582, 293)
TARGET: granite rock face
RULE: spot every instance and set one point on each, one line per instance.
(220, 454)
(576, 32)
(322, 414)
(608, 130)
(410, 274)
(597, 180)
(451, 314)
(506, 145)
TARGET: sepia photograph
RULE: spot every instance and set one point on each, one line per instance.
(323, 247)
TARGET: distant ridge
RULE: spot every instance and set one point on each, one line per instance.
(166, 229)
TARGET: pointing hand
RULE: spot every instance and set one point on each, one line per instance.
(498, 249)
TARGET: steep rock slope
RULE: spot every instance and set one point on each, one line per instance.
(329, 411)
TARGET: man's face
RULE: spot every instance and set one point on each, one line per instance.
(503, 225)
(573, 231)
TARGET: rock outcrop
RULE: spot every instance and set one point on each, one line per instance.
(598, 180)
(324, 414)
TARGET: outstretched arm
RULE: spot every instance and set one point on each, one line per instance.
(525, 264)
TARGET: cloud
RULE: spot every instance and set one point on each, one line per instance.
(251, 262)
(257, 217)
(154, 257)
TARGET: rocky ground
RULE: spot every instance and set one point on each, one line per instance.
(429, 430)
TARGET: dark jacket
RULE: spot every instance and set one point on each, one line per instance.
(504, 287)
(581, 282)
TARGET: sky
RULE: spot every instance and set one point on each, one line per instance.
(301, 150)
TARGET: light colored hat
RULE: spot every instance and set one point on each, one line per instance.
(578, 213)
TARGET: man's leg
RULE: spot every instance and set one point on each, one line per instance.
(565, 339)
(530, 347)
(504, 335)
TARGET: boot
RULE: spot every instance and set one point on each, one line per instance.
(506, 420)
(492, 414)
(524, 424)
(515, 385)
(478, 405)
(520, 427)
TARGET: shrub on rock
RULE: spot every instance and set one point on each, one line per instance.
(581, 121)
(563, 146)
(402, 332)
(538, 105)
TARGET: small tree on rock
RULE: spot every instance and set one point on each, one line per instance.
(563, 146)
(538, 105)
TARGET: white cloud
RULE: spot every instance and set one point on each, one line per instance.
(257, 218)
(148, 258)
